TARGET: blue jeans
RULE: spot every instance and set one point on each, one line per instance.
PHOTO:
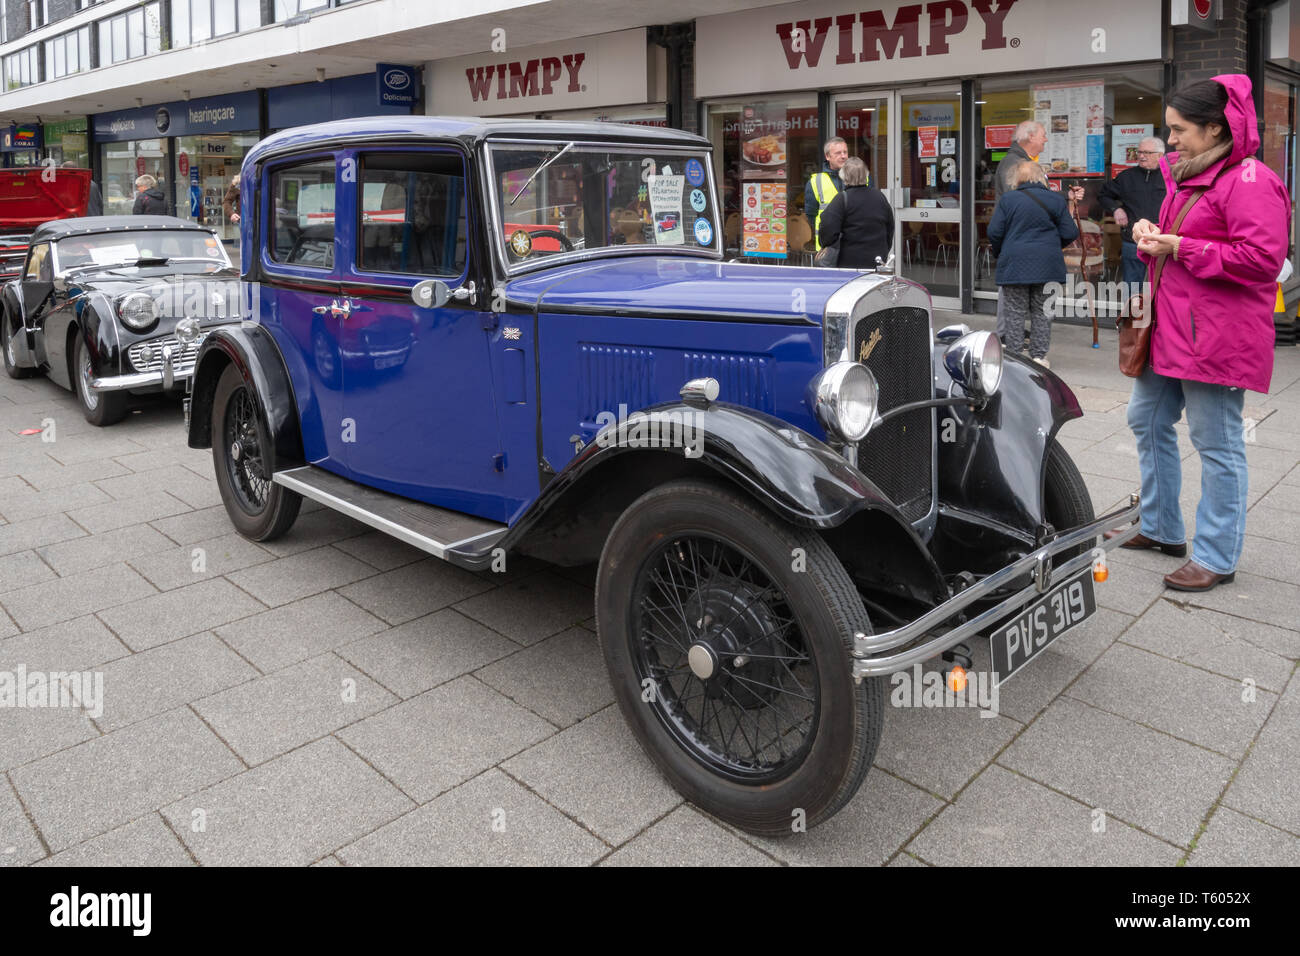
(1214, 418)
(1135, 270)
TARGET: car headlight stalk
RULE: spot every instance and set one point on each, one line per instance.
(138, 311)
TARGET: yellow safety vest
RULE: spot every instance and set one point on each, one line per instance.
(826, 182)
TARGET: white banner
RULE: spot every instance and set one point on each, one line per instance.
(606, 70)
(841, 43)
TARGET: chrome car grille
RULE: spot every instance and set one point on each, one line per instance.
(183, 356)
(899, 454)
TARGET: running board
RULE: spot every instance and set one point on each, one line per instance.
(450, 535)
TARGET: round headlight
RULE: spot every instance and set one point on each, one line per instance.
(975, 363)
(844, 400)
(137, 311)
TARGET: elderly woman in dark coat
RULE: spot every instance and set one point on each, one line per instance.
(1030, 227)
(859, 218)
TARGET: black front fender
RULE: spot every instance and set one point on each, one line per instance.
(992, 460)
(250, 349)
(783, 468)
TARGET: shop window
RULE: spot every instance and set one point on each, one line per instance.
(1279, 139)
(288, 9)
(412, 216)
(302, 227)
(1094, 122)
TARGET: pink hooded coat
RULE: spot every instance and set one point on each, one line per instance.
(1214, 306)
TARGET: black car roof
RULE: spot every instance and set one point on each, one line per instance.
(89, 225)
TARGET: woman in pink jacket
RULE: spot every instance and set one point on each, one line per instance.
(1213, 336)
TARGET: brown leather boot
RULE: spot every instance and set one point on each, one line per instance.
(1140, 542)
(1192, 577)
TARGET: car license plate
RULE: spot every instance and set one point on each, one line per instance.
(1018, 641)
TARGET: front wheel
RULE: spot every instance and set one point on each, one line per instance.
(727, 634)
(244, 457)
(12, 368)
(1067, 503)
(99, 408)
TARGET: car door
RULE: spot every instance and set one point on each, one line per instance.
(299, 298)
(418, 384)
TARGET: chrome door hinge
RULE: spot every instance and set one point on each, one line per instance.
(467, 291)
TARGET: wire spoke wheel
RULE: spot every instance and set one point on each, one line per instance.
(732, 680)
(245, 461)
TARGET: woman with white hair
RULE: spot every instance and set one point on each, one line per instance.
(859, 219)
(1031, 225)
(149, 199)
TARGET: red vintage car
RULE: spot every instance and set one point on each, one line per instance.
(30, 196)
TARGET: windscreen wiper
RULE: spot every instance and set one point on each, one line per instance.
(536, 172)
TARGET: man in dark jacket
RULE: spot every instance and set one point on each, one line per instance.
(149, 199)
(1030, 140)
(1135, 194)
(859, 219)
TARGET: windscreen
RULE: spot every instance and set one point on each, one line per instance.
(597, 196)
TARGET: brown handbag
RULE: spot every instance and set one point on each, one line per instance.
(1138, 319)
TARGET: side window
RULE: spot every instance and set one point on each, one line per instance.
(412, 216)
(302, 221)
(39, 266)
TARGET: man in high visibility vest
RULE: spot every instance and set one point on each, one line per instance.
(824, 186)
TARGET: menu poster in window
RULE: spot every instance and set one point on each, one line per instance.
(762, 143)
(764, 217)
(1074, 116)
(666, 209)
(1124, 144)
(927, 141)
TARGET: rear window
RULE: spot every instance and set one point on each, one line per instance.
(302, 220)
(412, 217)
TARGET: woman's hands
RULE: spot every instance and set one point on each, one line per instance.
(1152, 241)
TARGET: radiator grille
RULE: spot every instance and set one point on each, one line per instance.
(898, 455)
(183, 356)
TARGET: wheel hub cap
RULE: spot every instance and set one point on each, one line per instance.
(703, 660)
(235, 451)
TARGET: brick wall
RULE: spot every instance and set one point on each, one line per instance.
(1199, 55)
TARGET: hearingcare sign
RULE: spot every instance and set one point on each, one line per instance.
(838, 43)
(574, 74)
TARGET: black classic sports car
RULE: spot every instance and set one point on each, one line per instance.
(109, 306)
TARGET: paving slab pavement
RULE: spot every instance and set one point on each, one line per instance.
(337, 697)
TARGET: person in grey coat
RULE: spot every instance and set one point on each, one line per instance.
(1030, 227)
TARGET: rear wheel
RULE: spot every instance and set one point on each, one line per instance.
(1067, 503)
(244, 457)
(7, 333)
(727, 635)
(99, 408)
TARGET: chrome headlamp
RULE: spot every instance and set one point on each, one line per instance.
(843, 399)
(137, 311)
(975, 363)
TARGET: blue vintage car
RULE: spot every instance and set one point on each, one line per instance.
(517, 337)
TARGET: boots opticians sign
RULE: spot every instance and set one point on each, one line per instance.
(594, 71)
(838, 43)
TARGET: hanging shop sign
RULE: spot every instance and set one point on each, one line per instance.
(21, 136)
(396, 84)
(595, 71)
(826, 43)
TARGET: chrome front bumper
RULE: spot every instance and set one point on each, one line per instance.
(167, 376)
(875, 655)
